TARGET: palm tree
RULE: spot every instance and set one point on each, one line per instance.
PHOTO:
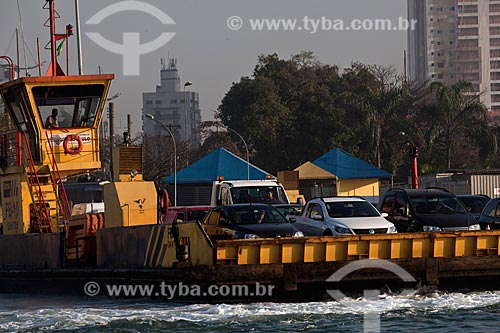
(382, 100)
(454, 113)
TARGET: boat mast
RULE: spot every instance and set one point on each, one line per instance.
(78, 39)
(53, 55)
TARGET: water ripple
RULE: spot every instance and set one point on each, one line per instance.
(435, 313)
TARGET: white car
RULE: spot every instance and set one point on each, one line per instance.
(342, 216)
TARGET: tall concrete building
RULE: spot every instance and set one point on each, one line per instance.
(457, 40)
(173, 105)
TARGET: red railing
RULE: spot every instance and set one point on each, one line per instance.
(34, 183)
(61, 196)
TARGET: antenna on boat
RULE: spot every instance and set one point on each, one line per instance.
(52, 25)
(54, 68)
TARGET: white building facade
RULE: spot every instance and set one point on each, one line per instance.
(174, 105)
(457, 40)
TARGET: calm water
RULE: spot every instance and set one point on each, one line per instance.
(471, 312)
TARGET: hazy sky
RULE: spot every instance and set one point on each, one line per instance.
(208, 53)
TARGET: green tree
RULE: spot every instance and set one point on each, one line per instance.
(454, 119)
(379, 103)
(286, 110)
(293, 111)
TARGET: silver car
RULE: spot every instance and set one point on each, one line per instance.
(342, 216)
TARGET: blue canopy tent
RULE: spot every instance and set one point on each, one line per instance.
(220, 162)
(340, 174)
(194, 183)
(346, 166)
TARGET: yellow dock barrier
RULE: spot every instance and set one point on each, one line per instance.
(332, 248)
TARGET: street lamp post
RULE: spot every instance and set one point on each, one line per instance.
(246, 147)
(187, 84)
(150, 116)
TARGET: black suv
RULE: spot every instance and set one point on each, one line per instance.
(490, 217)
(426, 210)
(474, 203)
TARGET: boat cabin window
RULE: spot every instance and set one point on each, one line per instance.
(13, 98)
(76, 105)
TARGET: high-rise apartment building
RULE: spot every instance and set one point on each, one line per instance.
(457, 40)
(173, 105)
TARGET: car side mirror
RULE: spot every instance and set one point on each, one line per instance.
(385, 215)
(300, 201)
(292, 219)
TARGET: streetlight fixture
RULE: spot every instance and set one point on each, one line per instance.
(246, 147)
(187, 84)
(150, 116)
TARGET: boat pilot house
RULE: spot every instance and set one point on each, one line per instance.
(56, 120)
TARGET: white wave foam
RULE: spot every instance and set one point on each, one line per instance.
(61, 314)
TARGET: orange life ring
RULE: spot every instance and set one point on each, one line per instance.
(163, 201)
(72, 150)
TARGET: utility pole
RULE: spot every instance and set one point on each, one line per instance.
(111, 136)
(78, 39)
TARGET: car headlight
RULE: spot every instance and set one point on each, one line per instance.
(430, 228)
(298, 234)
(392, 230)
(475, 227)
(342, 230)
(250, 236)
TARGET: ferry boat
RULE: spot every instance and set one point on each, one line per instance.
(46, 248)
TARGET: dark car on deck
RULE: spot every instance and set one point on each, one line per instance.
(490, 216)
(426, 210)
(289, 209)
(247, 221)
(474, 203)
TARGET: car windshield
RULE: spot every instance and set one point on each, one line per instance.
(257, 214)
(437, 205)
(289, 209)
(351, 209)
(476, 204)
(264, 194)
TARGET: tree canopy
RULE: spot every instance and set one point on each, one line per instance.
(292, 111)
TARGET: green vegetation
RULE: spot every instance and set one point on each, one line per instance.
(293, 111)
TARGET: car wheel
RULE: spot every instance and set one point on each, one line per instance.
(328, 232)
